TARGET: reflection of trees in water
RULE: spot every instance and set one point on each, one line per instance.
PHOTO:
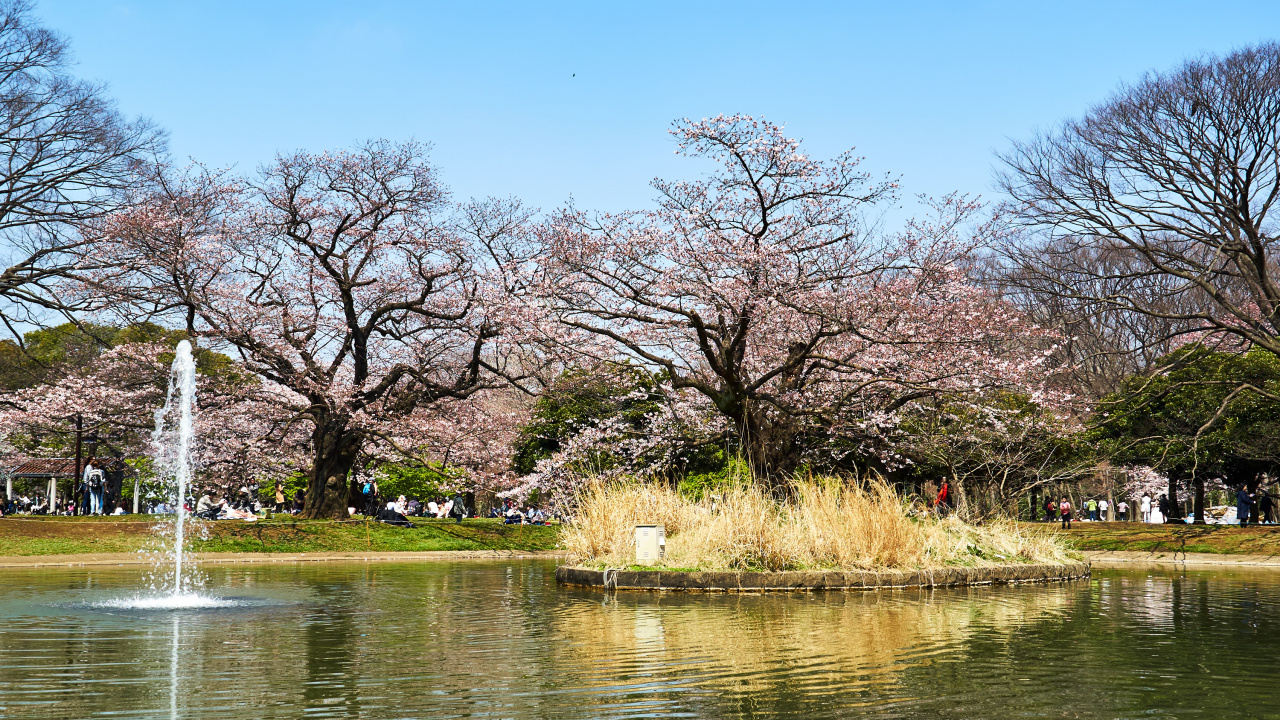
(331, 642)
(464, 638)
(384, 640)
(786, 650)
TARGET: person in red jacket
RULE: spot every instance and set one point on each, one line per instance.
(943, 501)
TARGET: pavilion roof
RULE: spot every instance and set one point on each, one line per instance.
(25, 467)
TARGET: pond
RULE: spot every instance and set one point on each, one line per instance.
(501, 639)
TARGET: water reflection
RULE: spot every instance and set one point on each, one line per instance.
(173, 669)
(502, 640)
(848, 649)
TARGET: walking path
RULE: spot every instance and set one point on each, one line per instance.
(1169, 558)
(225, 558)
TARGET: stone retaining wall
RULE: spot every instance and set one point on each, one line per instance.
(826, 580)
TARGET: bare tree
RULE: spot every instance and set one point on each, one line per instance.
(1157, 205)
(1099, 344)
(66, 156)
(1158, 202)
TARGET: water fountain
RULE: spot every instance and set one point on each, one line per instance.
(172, 444)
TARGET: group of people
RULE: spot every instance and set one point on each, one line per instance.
(94, 493)
(513, 514)
(401, 509)
(1100, 510)
(1257, 507)
(369, 501)
(245, 503)
(228, 507)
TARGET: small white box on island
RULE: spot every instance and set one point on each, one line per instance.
(651, 543)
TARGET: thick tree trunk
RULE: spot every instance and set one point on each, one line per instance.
(770, 450)
(335, 448)
(1199, 502)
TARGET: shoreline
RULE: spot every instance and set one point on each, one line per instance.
(809, 581)
(1096, 558)
(1171, 558)
(126, 559)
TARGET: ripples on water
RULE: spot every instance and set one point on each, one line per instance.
(487, 639)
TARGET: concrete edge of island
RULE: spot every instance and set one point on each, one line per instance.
(714, 581)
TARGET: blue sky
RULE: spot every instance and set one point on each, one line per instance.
(928, 91)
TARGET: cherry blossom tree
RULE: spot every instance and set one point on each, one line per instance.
(347, 279)
(241, 433)
(764, 290)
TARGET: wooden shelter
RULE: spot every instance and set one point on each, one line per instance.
(52, 471)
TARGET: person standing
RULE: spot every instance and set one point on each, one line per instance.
(1244, 504)
(1266, 507)
(1145, 508)
(1064, 509)
(279, 497)
(458, 507)
(1103, 508)
(1122, 511)
(1092, 507)
(94, 481)
(943, 502)
(1050, 510)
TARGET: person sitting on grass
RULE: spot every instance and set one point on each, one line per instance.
(227, 511)
(206, 508)
(513, 516)
(391, 516)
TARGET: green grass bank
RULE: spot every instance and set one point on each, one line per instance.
(1141, 537)
(72, 536)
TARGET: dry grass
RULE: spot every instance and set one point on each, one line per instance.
(829, 525)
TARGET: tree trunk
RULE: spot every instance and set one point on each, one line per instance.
(1175, 508)
(770, 449)
(1199, 502)
(960, 501)
(336, 448)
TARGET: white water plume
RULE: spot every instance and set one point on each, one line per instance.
(171, 447)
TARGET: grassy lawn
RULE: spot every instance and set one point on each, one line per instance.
(61, 536)
(1222, 539)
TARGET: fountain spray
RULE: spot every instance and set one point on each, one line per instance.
(172, 449)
